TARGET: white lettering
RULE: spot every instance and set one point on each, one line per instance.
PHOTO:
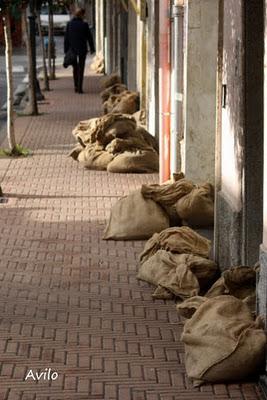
(47, 374)
(54, 376)
(30, 374)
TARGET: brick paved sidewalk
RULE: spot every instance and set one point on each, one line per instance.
(70, 301)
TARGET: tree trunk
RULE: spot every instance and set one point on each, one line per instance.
(51, 42)
(9, 79)
(33, 107)
(46, 80)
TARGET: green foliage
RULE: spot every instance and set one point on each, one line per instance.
(18, 151)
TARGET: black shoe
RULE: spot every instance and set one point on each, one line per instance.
(80, 91)
(76, 90)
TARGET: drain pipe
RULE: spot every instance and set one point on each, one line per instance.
(164, 89)
(177, 88)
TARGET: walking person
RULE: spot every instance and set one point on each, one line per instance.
(76, 38)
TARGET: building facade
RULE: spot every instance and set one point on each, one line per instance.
(200, 69)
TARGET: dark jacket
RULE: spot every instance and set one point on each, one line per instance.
(76, 37)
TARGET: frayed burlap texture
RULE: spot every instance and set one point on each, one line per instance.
(113, 90)
(74, 153)
(196, 208)
(135, 218)
(188, 307)
(167, 195)
(141, 161)
(237, 281)
(110, 80)
(141, 118)
(126, 102)
(97, 65)
(181, 274)
(177, 240)
(93, 157)
(222, 342)
(104, 129)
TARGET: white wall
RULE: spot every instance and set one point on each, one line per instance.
(200, 89)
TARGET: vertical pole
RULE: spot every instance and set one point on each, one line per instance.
(177, 89)
(164, 90)
(9, 79)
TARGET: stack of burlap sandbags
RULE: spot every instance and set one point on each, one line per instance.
(115, 143)
(126, 221)
(97, 64)
(136, 217)
(116, 98)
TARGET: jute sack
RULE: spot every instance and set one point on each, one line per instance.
(131, 143)
(196, 208)
(181, 240)
(113, 100)
(222, 342)
(236, 281)
(74, 153)
(140, 117)
(115, 89)
(97, 64)
(189, 306)
(113, 126)
(83, 131)
(181, 274)
(141, 161)
(135, 218)
(126, 103)
(167, 194)
(149, 139)
(93, 157)
(110, 126)
(110, 80)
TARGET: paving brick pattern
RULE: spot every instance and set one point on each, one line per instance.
(69, 300)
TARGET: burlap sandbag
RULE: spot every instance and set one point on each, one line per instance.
(135, 218)
(140, 117)
(83, 131)
(222, 342)
(189, 306)
(93, 157)
(114, 100)
(149, 139)
(132, 143)
(236, 281)
(113, 90)
(126, 103)
(181, 274)
(196, 208)
(74, 153)
(141, 161)
(113, 126)
(177, 240)
(97, 65)
(110, 80)
(104, 129)
(167, 194)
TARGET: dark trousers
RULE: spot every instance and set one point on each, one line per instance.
(78, 72)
